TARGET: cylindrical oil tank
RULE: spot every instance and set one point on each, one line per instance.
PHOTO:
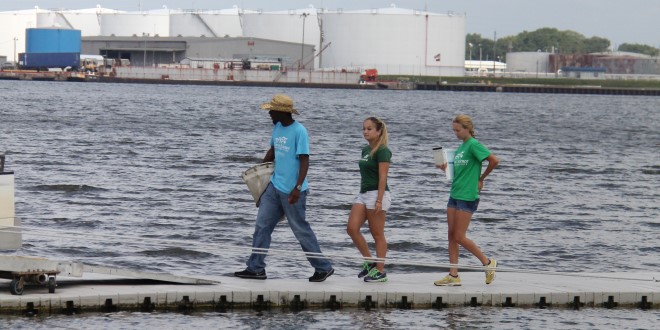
(53, 19)
(395, 41)
(528, 62)
(221, 23)
(12, 27)
(39, 40)
(285, 26)
(136, 24)
(85, 20)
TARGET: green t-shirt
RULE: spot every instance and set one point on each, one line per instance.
(467, 169)
(369, 167)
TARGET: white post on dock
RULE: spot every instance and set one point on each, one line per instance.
(10, 234)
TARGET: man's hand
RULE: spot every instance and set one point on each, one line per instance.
(294, 195)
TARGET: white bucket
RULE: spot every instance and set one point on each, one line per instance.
(257, 179)
(449, 157)
(442, 156)
(439, 156)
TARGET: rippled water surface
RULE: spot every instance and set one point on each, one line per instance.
(101, 167)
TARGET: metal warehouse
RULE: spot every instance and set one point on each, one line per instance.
(156, 51)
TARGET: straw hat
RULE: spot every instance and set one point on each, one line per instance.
(280, 102)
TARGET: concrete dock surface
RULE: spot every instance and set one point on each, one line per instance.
(94, 292)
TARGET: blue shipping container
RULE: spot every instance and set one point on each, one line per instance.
(52, 41)
(49, 60)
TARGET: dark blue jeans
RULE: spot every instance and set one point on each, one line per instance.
(465, 206)
(273, 205)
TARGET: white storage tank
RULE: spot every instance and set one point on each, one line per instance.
(528, 63)
(126, 24)
(285, 26)
(395, 41)
(85, 20)
(12, 30)
(216, 23)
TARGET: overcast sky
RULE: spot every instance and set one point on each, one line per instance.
(630, 21)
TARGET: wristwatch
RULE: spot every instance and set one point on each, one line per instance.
(299, 187)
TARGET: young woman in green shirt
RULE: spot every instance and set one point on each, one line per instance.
(373, 201)
(464, 197)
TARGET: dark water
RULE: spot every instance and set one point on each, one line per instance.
(102, 167)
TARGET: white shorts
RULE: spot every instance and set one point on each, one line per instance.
(369, 200)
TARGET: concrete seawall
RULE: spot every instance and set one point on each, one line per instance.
(427, 87)
(234, 83)
(327, 82)
(548, 89)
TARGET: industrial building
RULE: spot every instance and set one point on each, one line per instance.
(158, 51)
(545, 65)
(612, 63)
(392, 40)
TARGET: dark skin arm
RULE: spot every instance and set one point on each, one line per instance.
(270, 155)
(302, 174)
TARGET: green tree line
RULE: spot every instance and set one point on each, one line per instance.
(544, 40)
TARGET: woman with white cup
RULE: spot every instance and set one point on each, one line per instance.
(464, 197)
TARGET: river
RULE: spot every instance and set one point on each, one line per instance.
(576, 190)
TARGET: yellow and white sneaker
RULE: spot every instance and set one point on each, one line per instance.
(490, 271)
(448, 281)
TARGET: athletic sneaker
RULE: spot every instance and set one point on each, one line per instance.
(375, 276)
(321, 276)
(366, 267)
(251, 275)
(448, 281)
(490, 271)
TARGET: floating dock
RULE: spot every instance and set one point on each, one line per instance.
(96, 293)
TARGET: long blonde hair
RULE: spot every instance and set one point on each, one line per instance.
(466, 122)
(382, 138)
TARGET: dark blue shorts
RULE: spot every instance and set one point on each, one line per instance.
(464, 206)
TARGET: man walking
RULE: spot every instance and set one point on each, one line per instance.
(286, 194)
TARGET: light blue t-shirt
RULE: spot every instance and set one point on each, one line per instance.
(288, 142)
